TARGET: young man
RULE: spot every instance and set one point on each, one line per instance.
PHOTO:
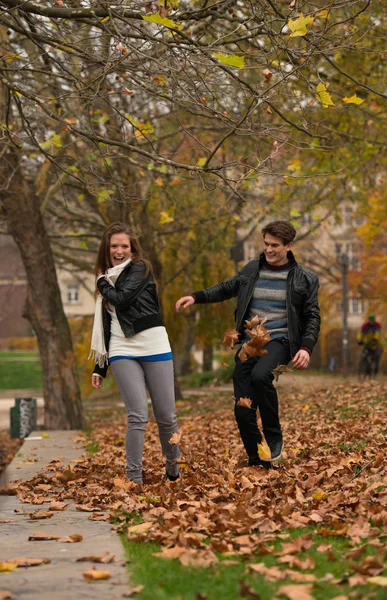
(274, 286)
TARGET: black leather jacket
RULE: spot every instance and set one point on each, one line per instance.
(135, 300)
(301, 300)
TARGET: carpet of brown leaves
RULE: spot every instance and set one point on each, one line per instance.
(333, 477)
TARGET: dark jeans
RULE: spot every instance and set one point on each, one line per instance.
(254, 379)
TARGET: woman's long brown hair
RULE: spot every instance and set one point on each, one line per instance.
(103, 262)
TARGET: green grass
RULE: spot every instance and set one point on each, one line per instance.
(168, 580)
(20, 375)
(19, 354)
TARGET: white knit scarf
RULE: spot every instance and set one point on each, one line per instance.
(98, 350)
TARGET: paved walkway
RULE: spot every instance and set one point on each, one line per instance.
(61, 578)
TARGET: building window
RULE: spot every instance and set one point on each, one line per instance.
(72, 293)
(356, 306)
(348, 214)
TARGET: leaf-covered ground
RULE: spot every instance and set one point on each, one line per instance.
(332, 483)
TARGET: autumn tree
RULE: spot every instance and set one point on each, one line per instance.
(101, 102)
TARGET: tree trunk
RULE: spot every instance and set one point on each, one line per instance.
(208, 356)
(44, 310)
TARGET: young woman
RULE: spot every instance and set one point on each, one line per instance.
(129, 335)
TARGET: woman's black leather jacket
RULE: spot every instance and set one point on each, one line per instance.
(135, 300)
(301, 300)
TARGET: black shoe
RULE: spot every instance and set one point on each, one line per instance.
(276, 447)
(171, 477)
(257, 462)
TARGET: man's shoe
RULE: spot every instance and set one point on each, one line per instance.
(276, 447)
(257, 462)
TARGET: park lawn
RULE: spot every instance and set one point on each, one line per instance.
(232, 578)
(20, 374)
(312, 528)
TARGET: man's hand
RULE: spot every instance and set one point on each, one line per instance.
(184, 302)
(301, 360)
(96, 381)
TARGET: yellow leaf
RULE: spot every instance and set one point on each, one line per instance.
(306, 407)
(264, 450)
(323, 96)
(379, 580)
(353, 100)
(159, 181)
(6, 567)
(105, 19)
(320, 495)
(295, 165)
(165, 218)
(201, 162)
(298, 26)
(160, 79)
(159, 20)
(230, 59)
(140, 528)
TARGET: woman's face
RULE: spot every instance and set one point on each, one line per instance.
(119, 248)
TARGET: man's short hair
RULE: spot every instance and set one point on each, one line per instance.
(280, 229)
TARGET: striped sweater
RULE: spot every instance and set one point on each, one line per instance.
(269, 300)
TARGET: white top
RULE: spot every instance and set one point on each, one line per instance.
(149, 342)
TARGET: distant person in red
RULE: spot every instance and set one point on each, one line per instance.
(370, 336)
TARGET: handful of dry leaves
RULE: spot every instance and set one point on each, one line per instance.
(260, 336)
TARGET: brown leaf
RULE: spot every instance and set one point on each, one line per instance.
(43, 537)
(58, 506)
(175, 437)
(106, 557)
(231, 337)
(72, 539)
(297, 592)
(279, 370)
(253, 323)
(95, 575)
(42, 514)
(133, 591)
(22, 561)
(246, 402)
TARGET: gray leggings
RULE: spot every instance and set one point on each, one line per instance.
(133, 376)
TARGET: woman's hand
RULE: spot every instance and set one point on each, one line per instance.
(184, 302)
(96, 381)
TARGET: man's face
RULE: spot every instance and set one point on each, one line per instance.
(275, 251)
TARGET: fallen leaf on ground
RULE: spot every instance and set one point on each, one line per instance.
(42, 514)
(72, 539)
(94, 575)
(22, 561)
(38, 537)
(7, 567)
(297, 592)
(379, 580)
(105, 558)
(133, 591)
(58, 506)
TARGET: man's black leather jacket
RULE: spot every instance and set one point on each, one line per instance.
(301, 300)
(135, 300)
